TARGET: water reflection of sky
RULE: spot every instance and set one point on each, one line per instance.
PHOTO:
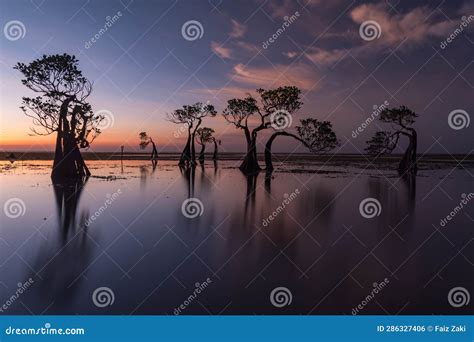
(319, 246)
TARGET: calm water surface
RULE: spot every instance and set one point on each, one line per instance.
(319, 246)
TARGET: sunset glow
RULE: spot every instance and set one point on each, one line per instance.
(142, 68)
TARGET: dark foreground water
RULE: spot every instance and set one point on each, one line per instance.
(311, 240)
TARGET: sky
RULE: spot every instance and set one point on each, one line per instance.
(147, 64)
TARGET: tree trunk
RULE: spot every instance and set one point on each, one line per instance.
(214, 157)
(193, 151)
(58, 153)
(414, 152)
(268, 153)
(83, 164)
(193, 137)
(201, 154)
(250, 163)
(268, 148)
(154, 152)
(82, 169)
(68, 162)
(71, 165)
(186, 154)
(408, 163)
(57, 171)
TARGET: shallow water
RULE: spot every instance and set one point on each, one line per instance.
(302, 230)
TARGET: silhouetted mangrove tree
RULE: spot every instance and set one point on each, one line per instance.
(384, 142)
(61, 108)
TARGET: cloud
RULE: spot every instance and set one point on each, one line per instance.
(415, 26)
(238, 29)
(290, 54)
(300, 75)
(221, 51)
(249, 47)
(234, 49)
(324, 57)
(318, 55)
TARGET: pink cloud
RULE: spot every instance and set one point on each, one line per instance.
(415, 26)
(238, 29)
(324, 57)
(221, 51)
(290, 54)
(300, 75)
(249, 47)
(319, 56)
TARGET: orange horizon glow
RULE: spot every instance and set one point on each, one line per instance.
(168, 139)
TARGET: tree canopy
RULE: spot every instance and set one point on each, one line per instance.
(62, 86)
(401, 120)
(239, 111)
(384, 142)
(204, 135)
(317, 136)
(189, 114)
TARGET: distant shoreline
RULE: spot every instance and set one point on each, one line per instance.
(463, 159)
